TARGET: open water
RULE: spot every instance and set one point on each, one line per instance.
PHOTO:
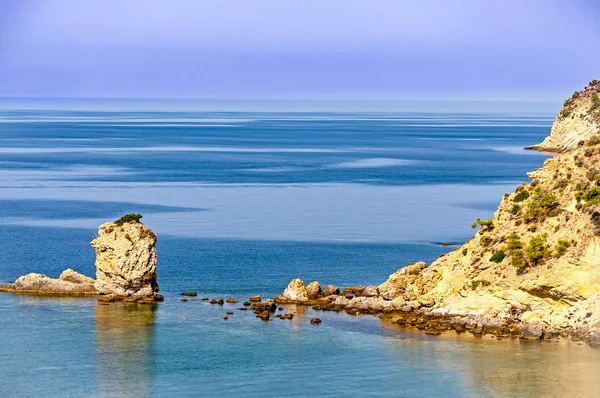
(242, 202)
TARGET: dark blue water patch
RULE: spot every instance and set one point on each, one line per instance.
(47, 251)
(437, 149)
(73, 209)
(214, 266)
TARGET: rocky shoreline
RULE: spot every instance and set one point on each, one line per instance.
(125, 268)
(532, 271)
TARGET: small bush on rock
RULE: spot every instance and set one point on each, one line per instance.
(498, 256)
(521, 196)
(484, 224)
(517, 259)
(475, 283)
(486, 240)
(127, 218)
(537, 249)
(561, 246)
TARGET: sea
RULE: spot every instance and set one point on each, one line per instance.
(245, 196)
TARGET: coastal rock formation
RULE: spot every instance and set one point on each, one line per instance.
(69, 282)
(331, 290)
(313, 290)
(578, 120)
(531, 271)
(126, 260)
(296, 291)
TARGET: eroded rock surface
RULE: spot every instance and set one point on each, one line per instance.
(578, 120)
(69, 282)
(533, 270)
(295, 291)
(126, 261)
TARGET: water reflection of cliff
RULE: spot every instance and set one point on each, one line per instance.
(125, 348)
(485, 367)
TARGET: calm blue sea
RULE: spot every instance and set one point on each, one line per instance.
(242, 202)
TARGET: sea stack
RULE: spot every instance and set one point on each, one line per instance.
(126, 260)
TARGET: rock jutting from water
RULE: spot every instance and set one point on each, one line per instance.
(532, 271)
(126, 260)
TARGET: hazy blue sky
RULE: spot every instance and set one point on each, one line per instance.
(426, 49)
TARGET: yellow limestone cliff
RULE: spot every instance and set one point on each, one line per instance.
(578, 120)
(533, 270)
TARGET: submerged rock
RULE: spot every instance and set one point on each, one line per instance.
(126, 260)
(189, 294)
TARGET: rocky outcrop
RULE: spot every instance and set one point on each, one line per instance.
(126, 260)
(532, 271)
(314, 290)
(69, 283)
(295, 291)
(578, 121)
(330, 290)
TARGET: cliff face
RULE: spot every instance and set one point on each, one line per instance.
(531, 271)
(126, 260)
(536, 264)
(578, 120)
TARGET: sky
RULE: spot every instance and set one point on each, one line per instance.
(322, 49)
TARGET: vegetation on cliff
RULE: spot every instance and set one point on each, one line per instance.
(577, 121)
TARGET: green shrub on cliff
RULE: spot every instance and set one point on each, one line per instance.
(475, 283)
(521, 196)
(484, 224)
(561, 246)
(595, 102)
(591, 196)
(514, 247)
(517, 260)
(594, 140)
(498, 256)
(515, 209)
(513, 242)
(486, 240)
(127, 218)
(536, 250)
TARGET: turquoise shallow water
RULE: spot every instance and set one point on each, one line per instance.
(242, 202)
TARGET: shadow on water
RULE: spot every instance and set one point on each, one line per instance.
(125, 351)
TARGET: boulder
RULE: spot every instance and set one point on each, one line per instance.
(331, 290)
(370, 291)
(254, 299)
(69, 282)
(295, 291)
(126, 260)
(314, 290)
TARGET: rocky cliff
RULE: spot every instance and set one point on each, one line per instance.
(578, 120)
(532, 271)
(126, 260)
